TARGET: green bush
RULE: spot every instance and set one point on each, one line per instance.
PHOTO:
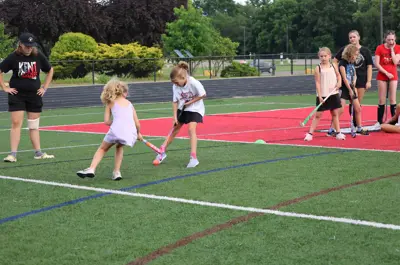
(128, 60)
(239, 69)
(72, 49)
(73, 55)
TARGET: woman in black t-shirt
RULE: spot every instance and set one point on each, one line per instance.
(25, 92)
(363, 65)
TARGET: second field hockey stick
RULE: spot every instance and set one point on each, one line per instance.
(353, 133)
(175, 124)
(152, 146)
(302, 124)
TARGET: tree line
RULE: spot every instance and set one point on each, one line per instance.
(107, 21)
(260, 26)
(300, 26)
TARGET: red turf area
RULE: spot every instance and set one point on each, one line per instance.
(273, 126)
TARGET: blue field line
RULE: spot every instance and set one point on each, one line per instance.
(99, 195)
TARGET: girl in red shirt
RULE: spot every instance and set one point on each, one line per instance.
(387, 56)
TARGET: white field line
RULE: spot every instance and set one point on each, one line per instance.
(212, 204)
(297, 145)
(71, 146)
(156, 109)
(53, 148)
(219, 114)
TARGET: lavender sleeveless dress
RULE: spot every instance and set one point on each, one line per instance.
(123, 128)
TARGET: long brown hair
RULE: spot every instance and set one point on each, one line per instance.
(18, 50)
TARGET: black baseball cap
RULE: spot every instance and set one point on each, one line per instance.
(27, 39)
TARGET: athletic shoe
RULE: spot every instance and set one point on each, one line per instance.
(161, 157)
(10, 159)
(340, 136)
(362, 131)
(43, 156)
(308, 137)
(192, 163)
(86, 173)
(331, 132)
(116, 175)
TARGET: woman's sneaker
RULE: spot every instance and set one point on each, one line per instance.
(86, 173)
(10, 159)
(43, 156)
(308, 137)
(331, 132)
(116, 175)
(340, 136)
(362, 131)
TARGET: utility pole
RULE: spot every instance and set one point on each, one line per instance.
(244, 40)
(381, 37)
(287, 38)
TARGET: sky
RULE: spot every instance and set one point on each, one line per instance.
(240, 1)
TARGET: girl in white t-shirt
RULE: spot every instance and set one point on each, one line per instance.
(187, 92)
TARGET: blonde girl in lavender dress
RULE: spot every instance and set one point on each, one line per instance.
(124, 127)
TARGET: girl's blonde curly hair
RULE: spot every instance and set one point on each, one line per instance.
(112, 90)
(349, 51)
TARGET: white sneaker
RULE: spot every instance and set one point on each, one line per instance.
(193, 163)
(10, 159)
(44, 156)
(308, 137)
(161, 157)
(86, 173)
(340, 136)
(377, 126)
(116, 175)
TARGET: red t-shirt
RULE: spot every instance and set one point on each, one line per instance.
(386, 62)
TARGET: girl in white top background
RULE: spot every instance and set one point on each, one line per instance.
(188, 92)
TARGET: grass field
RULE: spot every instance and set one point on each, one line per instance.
(245, 203)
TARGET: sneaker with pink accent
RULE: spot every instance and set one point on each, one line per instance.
(193, 162)
(161, 157)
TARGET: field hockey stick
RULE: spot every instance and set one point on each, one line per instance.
(175, 124)
(152, 146)
(180, 114)
(302, 124)
(353, 133)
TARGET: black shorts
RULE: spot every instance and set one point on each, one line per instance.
(189, 116)
(332, 103)
(346, 95)
(28, 103)
(362, 85)
(361, 82)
